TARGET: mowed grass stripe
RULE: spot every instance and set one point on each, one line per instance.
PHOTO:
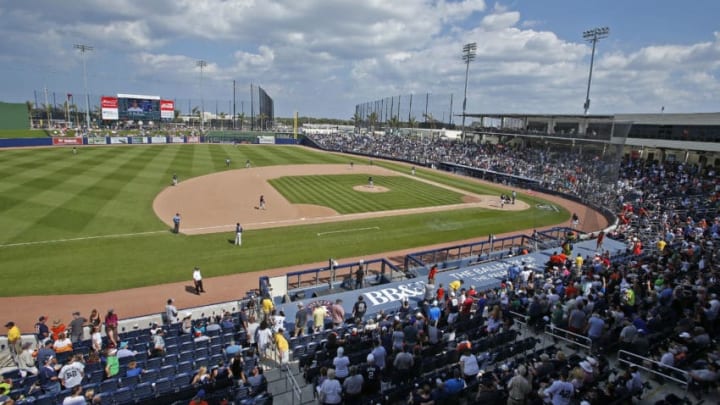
(31, 201)
(76, 213)
(164, 258)
(337, 192)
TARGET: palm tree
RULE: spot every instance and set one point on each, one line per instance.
(430, 119)
(73, 109)
(356, 119)
(241, 119)
(195, 112)
(176, 115)
(222, 120)
(372, 120)
(262, 118)
(394, 122)
(30, 106)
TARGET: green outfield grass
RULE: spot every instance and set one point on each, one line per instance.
(337, 193)
(23, 133)
(84, 223)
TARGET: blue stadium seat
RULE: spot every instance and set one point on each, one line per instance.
(167, 371)
(182, 381)
(154, 363)
(143, 392)
(150, 375)
(201, 352)
(186, 356)
(109, 385)
(163, 386)
(123, 396)
(185, 367)
(202, 362)
(129, 382)
(170, 359)
(46, 399)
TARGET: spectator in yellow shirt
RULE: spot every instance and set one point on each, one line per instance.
(267, 307)
(14, 340)
(282, 346)
(661, 245)
(455, 285)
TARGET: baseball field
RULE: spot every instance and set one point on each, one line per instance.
(98, 220)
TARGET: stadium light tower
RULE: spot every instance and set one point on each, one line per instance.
(83, 49)
(593, 36)
(468, 56)
(201, 64)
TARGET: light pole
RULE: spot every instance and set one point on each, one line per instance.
(468, 56)
(83, 49)
(201, 64)
(593, 36)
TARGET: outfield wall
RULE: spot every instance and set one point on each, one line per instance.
(129, 140)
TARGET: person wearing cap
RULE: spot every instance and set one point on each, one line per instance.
(49, 381)
(26, 361)
(301, 320)
(518, 387)
(197, 280)
(372, 376)
(112, 365)
(123, 350)
(14, 338)
(42, 331)
(77, 327)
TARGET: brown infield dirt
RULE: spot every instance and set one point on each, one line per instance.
(234, 197)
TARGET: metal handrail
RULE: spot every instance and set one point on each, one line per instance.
(643, 361)
(550, 330)
(295, 387)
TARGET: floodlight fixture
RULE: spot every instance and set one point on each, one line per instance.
(593, 35)
(468, 56)
(83, 49)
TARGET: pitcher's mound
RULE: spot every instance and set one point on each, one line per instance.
(374, 189)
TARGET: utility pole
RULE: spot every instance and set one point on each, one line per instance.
(83, 49)
(468, 56)
(593, 36)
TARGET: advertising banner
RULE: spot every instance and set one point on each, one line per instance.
(68, 141)
(266, 139)
(138, 139)
(97, 140)
(167, 109)
(158, 139)
(177, 139)
(193, 139)
(118, 140)
(109, 107)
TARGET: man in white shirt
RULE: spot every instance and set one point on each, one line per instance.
(72, 373)
(197, 279)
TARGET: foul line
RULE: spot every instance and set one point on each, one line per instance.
(349, 230)
(45, 242)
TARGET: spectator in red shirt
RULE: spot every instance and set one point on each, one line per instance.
(431, 274)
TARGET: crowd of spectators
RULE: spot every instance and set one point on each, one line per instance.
(659, 301)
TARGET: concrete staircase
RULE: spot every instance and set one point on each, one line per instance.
(285, 391)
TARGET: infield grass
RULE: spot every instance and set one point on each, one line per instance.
(337, 193)
(84, 223)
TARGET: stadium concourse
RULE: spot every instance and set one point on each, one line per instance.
(635, 321)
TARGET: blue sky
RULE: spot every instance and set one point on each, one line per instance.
(321, 57)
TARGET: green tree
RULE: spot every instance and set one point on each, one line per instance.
(372, 120)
